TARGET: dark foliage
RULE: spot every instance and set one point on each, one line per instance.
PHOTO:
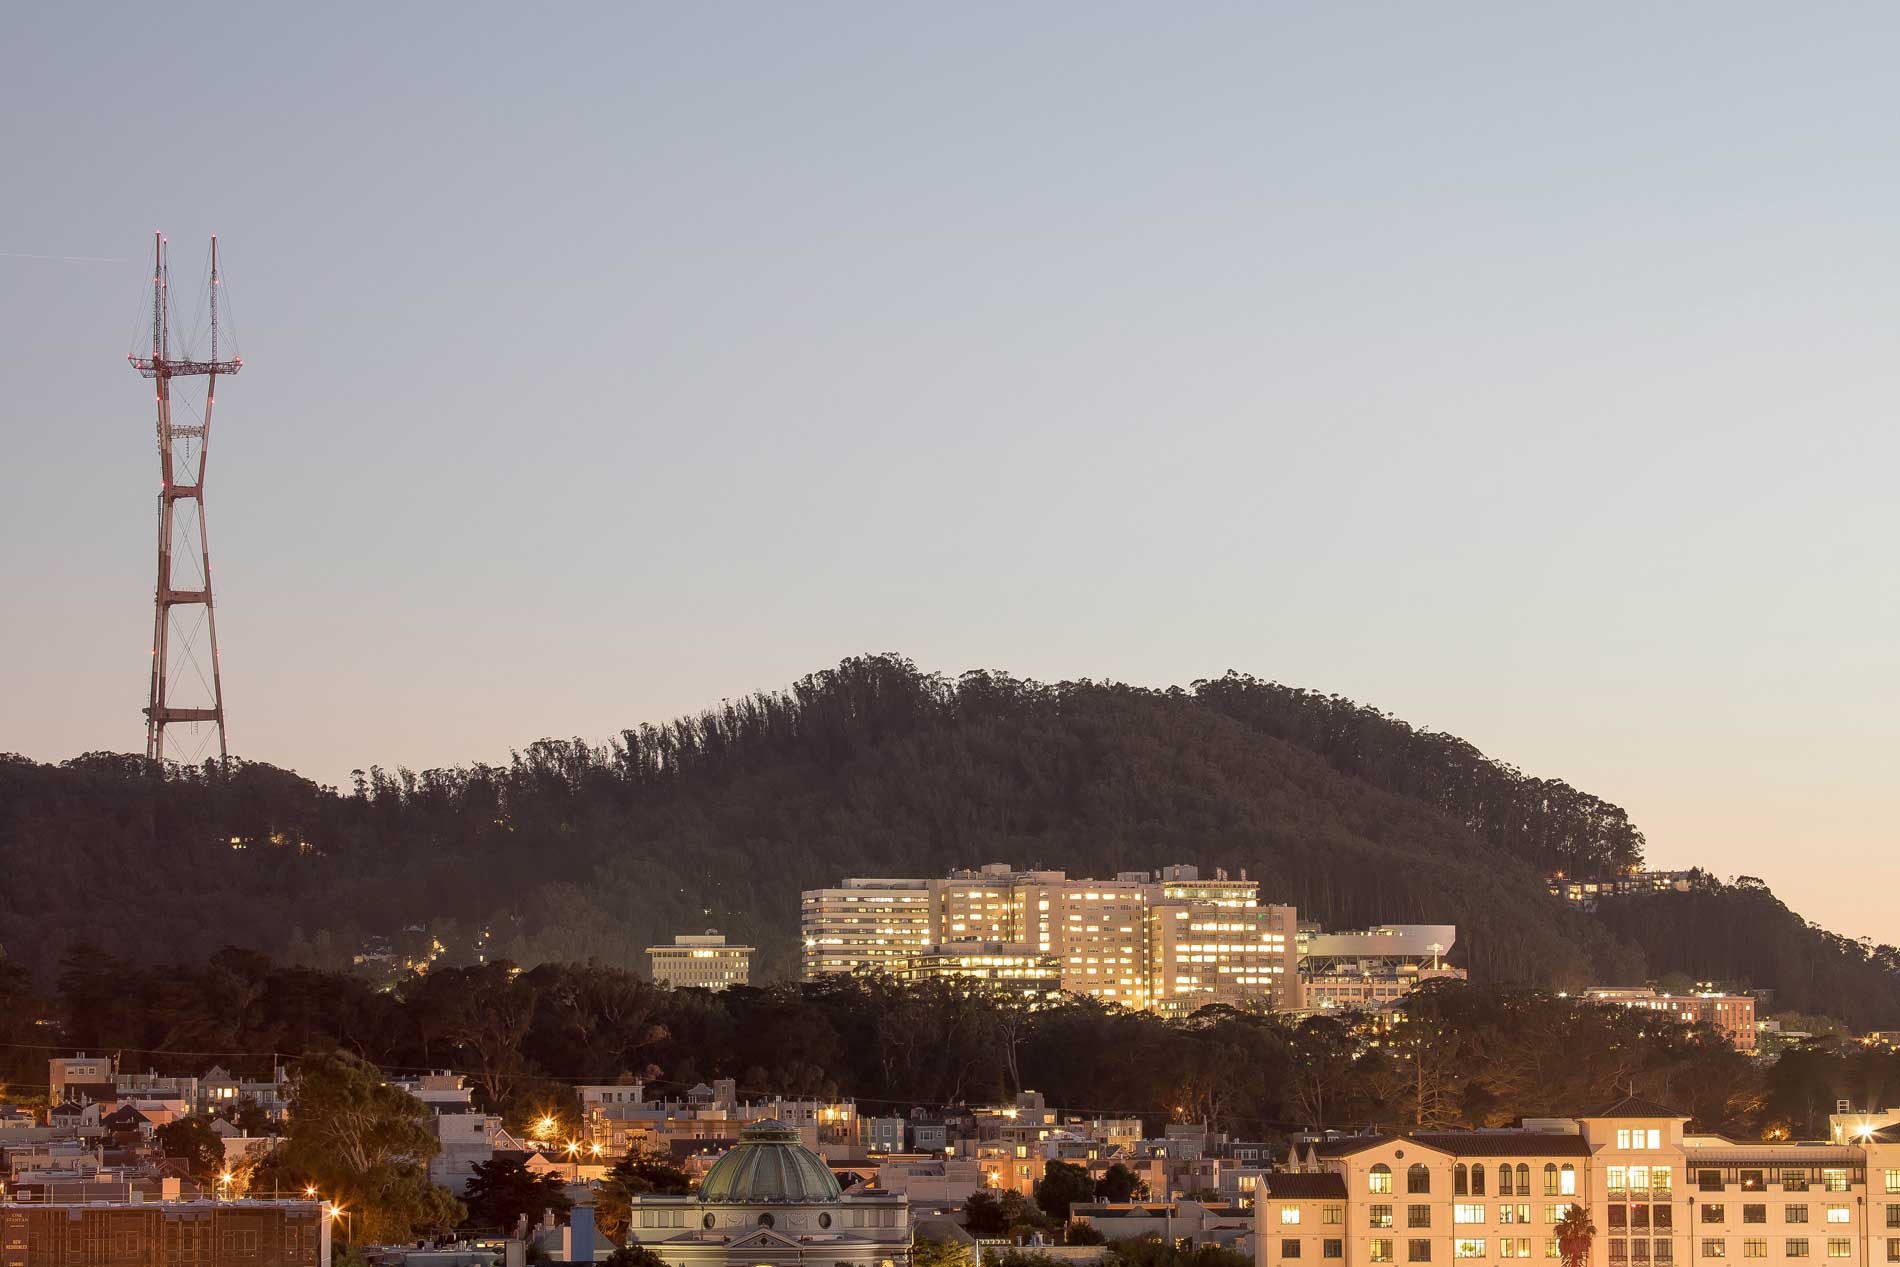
(1740, 932)
(573, 852)
(1457, 1055)
(1061, 1186)
(502, 1191)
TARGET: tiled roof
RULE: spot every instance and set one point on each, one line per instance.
(1633, 1106)
(1773, 1156)
(1305, 1187)
(1353, 1144)
(1505, 1143)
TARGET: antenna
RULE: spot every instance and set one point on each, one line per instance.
(182, 480)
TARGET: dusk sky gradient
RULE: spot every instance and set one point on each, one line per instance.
(1526, 371)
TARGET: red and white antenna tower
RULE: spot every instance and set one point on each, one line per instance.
(176, 633)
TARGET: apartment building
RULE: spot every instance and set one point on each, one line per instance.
(82, 1077)
(862, 924)
(1657, 1195)
(704, 961)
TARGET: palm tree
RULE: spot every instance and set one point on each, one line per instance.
(1575, 1234)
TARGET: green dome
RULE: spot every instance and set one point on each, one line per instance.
(768, 1166)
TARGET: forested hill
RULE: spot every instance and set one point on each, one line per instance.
(575, 851)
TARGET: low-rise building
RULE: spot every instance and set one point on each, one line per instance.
(1187, 1223)
(1587, 892)
(1369, 991)
(939, 1182)
(704, 961)
(1732, 1014)
(82, 1078)
(113, 1234)
(772, 1200)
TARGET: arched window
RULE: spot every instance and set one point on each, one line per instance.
(1417, 1178)
(1550, 1178)
(1567, 1180)
(1380, 1180)
(1460, 1181)
(1477, 1178)
(1523, 1180)
(1504, 1182)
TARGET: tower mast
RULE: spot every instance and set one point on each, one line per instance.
(181, 479)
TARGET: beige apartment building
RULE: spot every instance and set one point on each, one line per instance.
(703, 961)
(1655, 1194)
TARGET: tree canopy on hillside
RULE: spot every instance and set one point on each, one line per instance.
(574, 851)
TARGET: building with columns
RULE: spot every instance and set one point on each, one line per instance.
(772, 1202)
(1656, 1193)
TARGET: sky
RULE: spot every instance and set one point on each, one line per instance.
(1526, 371)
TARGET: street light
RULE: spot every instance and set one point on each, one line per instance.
(574, 1157)
(224, 1184)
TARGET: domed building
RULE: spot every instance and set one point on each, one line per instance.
(772, 1202)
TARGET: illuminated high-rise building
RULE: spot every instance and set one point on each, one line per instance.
(1143, 939)
(862, 924)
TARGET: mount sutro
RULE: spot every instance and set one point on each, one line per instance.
(574, 851)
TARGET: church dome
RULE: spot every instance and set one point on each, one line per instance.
(768, 1166)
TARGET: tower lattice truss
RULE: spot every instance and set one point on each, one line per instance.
(186, 689)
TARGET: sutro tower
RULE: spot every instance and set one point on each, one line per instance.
(176, 634)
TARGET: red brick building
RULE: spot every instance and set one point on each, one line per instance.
(165, 1234)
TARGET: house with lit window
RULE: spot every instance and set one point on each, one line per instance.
(1657, 1194)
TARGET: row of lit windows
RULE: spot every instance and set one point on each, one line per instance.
(1559, 1181)
(1419, 1250)
(1717, 1212)
(1639, 1179)
(1793, 1247)
(1830, 1178)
